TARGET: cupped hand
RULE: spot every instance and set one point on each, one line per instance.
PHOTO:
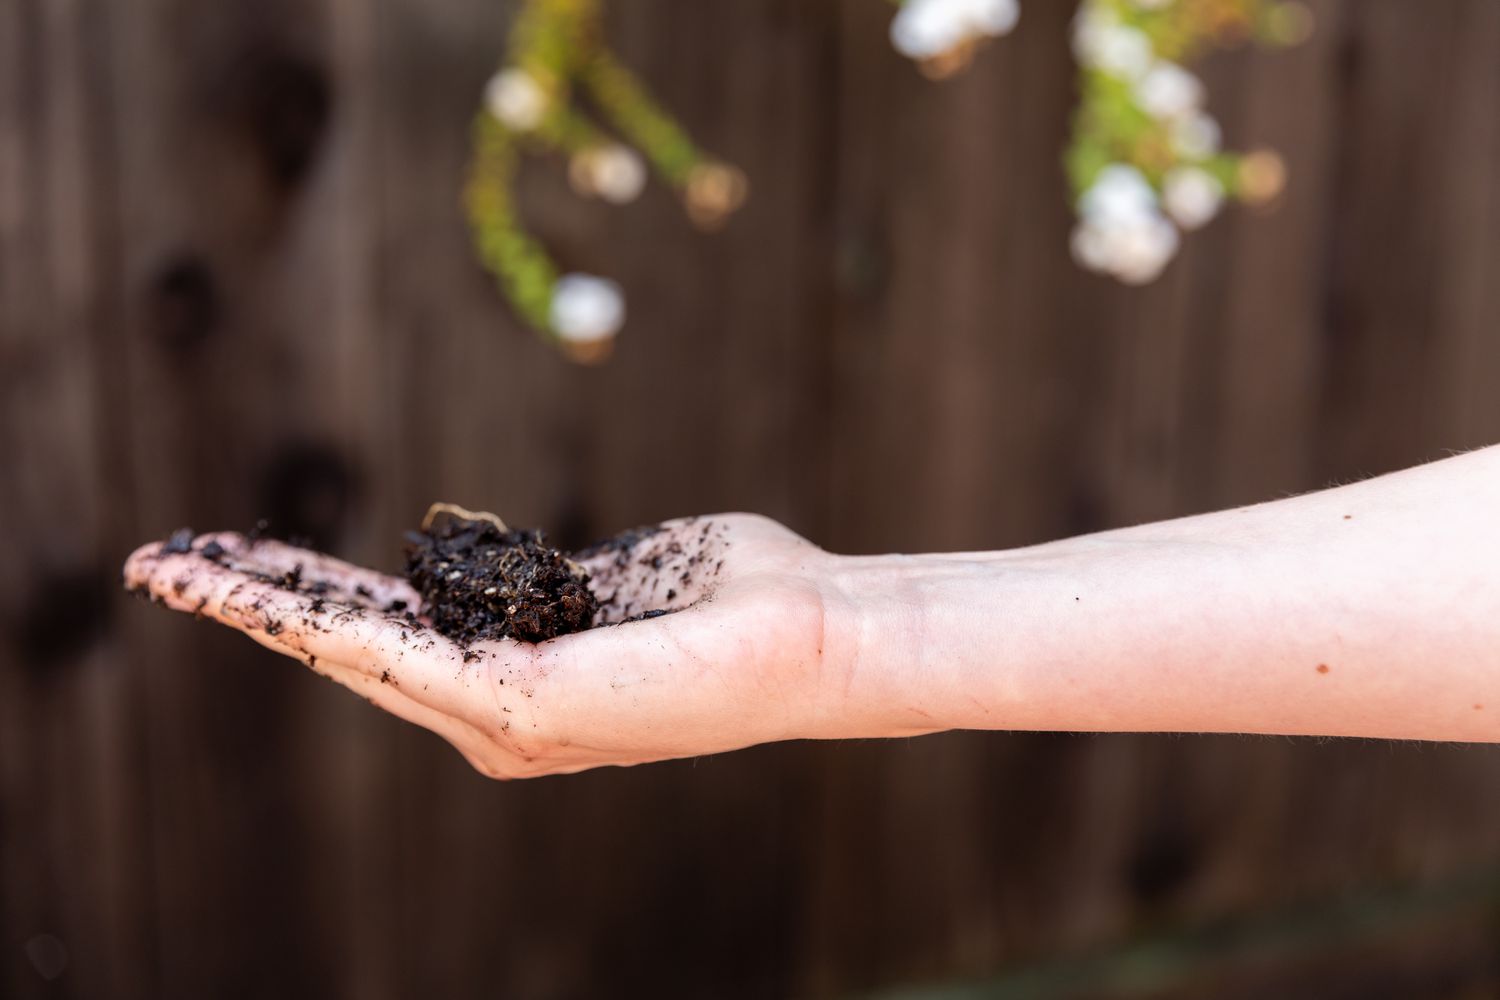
(713, 636)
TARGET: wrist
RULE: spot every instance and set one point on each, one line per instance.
(987, 640)
(894, 625)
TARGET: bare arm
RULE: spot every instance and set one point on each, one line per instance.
(1367, 610)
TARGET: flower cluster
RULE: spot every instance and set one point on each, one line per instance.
(941, 35)
(1145, 162)
(556, 48)
(1146, 158)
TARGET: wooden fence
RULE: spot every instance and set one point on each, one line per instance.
(235, 282)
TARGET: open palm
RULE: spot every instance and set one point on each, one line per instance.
(715, 630)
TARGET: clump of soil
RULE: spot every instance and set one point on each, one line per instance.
(481, 580)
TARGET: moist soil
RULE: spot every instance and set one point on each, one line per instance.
(480, 581)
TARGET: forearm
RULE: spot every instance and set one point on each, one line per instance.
(1369, 610)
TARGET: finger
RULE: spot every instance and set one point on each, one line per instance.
(317, 572)
(427, 666)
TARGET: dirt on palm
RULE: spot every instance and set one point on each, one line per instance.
(480, 580)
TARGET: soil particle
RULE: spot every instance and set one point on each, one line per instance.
(180, 543)
(621, 545)
(480, 582)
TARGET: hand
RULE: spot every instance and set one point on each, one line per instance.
(734, 660)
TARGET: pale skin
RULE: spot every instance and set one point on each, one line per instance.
(1367, 610)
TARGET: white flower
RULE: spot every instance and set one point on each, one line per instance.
(1167, 91)
(615, 173)
(1102, 42)
(1090, 247)
(1119, 191)
(586, 308)
(1192, 196)
(619, 174)
(516, 99)
(1134, 252)
(1195, 136)
(993, 17)
(1139, 252)
(925, 29)
(1090, 20)
(1122, 231)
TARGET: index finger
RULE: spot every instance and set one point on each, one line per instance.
(395, 649)
(322, 574)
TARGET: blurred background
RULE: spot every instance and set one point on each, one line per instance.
(236, 282)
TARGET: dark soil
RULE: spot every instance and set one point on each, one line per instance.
(478, 581)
